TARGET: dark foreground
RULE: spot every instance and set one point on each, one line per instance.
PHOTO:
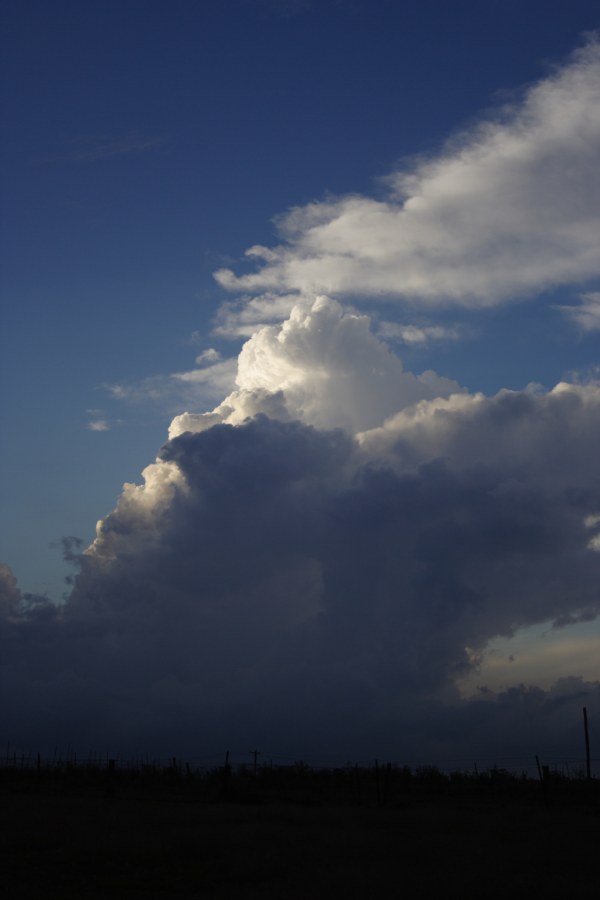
(125, 841)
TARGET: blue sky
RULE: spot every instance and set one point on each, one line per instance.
(149, 145)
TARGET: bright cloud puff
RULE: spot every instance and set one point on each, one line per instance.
(322, 366)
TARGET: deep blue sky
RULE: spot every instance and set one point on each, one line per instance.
(149, 143)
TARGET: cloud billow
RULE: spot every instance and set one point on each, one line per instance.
(324, 366)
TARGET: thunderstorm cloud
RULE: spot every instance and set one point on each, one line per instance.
(317, 562)
(317, 586)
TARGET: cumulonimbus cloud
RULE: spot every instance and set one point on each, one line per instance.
(318, 561)
(318, 586)
(511, 207)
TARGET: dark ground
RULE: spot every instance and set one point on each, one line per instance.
(129, 843)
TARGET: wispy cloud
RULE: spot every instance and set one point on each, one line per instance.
(586, 315)
(175, 390)
(242, 317)
(94, 147)
(419, 334)
(98, 420)
(208, 357)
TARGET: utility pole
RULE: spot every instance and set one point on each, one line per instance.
(588, 765)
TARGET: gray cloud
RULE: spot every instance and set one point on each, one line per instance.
(585, 615)
(586, 314)
(172, 391)
(10, 596)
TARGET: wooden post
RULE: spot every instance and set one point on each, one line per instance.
(110, 776)
(377, 788)
(539, 768)
(255, 754)
(225, 776)
(542, 773)
(588, 763)
(357, 780)
(386, 784)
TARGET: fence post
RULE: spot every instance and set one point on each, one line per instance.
(225, 777)
(255, 754)
(110, 778)
(542, 773)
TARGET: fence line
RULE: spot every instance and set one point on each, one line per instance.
(572, 764)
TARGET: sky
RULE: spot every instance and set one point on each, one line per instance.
(300, 376)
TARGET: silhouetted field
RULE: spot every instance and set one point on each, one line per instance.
(93, 832)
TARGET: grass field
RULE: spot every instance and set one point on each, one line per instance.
(132, 844)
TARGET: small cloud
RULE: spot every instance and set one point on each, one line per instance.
(418, 334)
(216, 258)
(586, 315)
(593, 522)
(171, 391)
(72, 548)
(584, 615)
(93, 147)
(216, 373)
(208, 357)
(98, 425)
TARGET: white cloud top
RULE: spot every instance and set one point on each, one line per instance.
(322, 366)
